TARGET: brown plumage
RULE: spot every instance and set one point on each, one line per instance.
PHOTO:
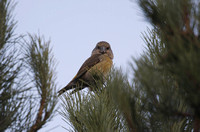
(94, 69)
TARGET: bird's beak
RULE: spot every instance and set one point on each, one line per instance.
(103, 49)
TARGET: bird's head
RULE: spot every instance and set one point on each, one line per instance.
(103, 48)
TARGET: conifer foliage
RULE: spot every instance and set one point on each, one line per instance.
(10, 68)
(40, 62)
(27, 77)
(176, 51)
(164, 93)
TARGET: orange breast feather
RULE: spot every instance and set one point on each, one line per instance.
(103, 66)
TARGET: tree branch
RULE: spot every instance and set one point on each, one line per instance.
(39, 122)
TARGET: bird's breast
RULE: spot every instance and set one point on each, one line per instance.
(103, 66)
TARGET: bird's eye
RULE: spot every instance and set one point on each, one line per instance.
(108, 48)
(98, 47)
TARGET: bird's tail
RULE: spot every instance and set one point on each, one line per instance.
(68, 87)
(62, 91)
(72, 85)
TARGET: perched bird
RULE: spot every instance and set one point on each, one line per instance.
(94, 69)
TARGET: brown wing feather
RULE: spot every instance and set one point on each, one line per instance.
(90, 62)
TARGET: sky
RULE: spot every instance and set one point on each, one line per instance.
(75, 26)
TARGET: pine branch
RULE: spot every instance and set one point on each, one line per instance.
(40, 61)
(12, 89)
(176, 27)
(92, 112)
(39, 123)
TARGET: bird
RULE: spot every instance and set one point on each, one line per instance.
(93, 70)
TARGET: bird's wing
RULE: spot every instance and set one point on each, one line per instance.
(90, 62)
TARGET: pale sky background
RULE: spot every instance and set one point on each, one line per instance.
(75, 26)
